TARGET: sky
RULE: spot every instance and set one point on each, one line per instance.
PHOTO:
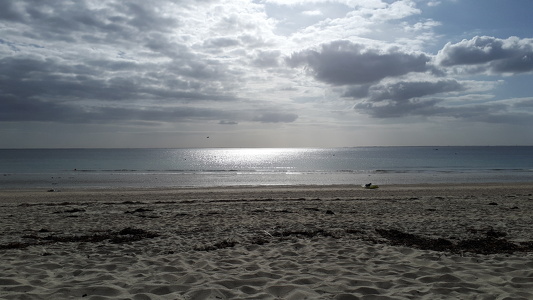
(266, 73)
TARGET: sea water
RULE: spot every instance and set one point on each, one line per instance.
(208, 167)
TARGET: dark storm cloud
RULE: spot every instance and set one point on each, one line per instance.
(512, 55)
(343, 63)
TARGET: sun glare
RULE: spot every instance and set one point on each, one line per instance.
(250, 158)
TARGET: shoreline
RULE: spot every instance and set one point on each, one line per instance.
(269, 242)
(280, 191)
(288, 186)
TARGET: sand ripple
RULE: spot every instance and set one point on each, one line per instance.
(277, 248)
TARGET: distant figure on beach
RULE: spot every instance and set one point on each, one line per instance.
(370, 186)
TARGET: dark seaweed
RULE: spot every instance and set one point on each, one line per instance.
(125, 235)
(492, 243)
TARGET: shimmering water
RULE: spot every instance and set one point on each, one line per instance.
(101, 168)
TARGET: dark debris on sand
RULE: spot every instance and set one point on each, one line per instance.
(220, 245)
(492, 243)
(125, 235)
(304, 233)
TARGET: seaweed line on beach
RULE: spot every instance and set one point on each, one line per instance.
(492, 243)
(125, 235)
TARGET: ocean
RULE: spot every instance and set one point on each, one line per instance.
(212, 167)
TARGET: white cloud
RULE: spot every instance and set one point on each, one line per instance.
(312, 13)
(394, 11)
(353, 3)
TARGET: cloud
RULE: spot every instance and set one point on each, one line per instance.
(405, 90)
(312, 13)
(265, 59)
(395, 84)
(524, 103)
(392, 11)
(431, 108)
(34, 110)
(343, 63)
(224, 122)
(346, 2)
(396, 109)
(112, 61)
(276, 117)
(98, 22)
(404, 98)
(419, 99)
(359, 21)
(221, 42)
(356, 91)
(10, 10)
(12, 109)
(520, 118)
(208, 63)
(53, 80)
(47, 90)
(489, 54)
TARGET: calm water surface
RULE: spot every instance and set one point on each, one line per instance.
(105, 168)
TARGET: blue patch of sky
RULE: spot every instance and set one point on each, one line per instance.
(518, 87)
(497, 18)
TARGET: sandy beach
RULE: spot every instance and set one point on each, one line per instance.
(471, 241)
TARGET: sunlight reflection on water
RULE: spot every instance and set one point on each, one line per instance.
(250, 158)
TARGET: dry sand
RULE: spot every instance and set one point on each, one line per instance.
(316, 242)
